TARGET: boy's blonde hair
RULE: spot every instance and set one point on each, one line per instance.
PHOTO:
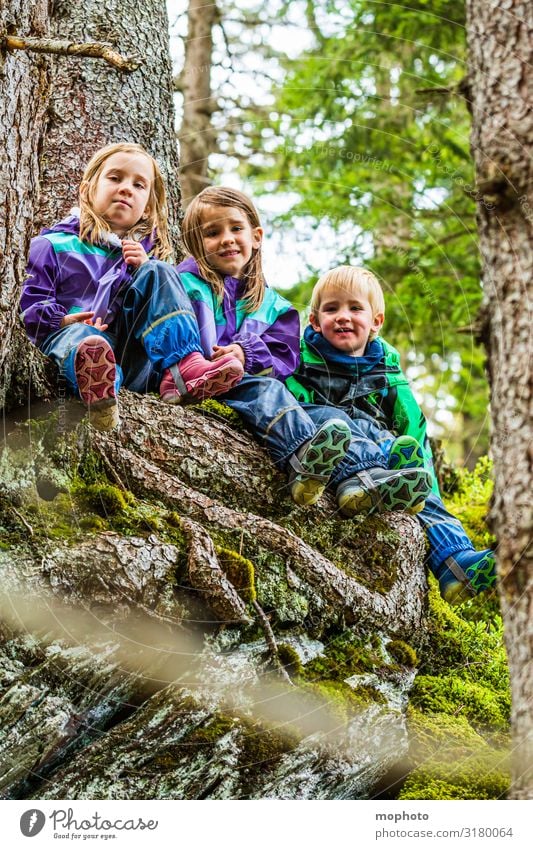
(93, 227)
(354, 281)
(192, 237)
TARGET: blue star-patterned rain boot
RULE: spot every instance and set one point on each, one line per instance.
(465, 574)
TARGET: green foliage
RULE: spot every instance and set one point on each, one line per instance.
(357, 139)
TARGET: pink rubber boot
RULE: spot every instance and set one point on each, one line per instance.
(96, 372)
(195, 378)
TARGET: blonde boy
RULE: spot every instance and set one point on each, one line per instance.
(346, 367)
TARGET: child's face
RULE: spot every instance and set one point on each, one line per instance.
(228, 239)
(123, 190)
(345, 320)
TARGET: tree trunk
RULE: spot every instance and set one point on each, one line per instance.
(23, 103)
(500, 39)
(93, 104)
(196, 133)
(118, 616)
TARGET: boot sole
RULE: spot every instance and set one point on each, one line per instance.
(407, 493)
(325, 450)
(96, 372)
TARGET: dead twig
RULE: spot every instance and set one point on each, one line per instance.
(62, 47)
(271, 642)
(22, 519)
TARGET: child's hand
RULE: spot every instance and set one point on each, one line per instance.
(99, 324)
(133, 253)
(74, 317)
(222, 350)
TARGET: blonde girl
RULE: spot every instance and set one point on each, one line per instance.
(100, 298)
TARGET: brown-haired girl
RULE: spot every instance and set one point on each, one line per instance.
(239, 316)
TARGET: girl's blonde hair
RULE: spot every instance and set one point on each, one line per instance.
(93, 227)
(194, 243)
(355, 282)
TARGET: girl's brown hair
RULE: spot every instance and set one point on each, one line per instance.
(192, 237)
(93, 227)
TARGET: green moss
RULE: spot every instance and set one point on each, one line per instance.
(93, 523)
(290, 659)
(458, 719)
(56, 519)
(482, 776)
(452, 760)
(91, 468)
(218, 726)
(216, 409)
(200, 740)
(273, 591)
(174, 529)
(106, 499)
(364, 550)
(339, 699)
(239, 571)
(450, 736)
(451, 694)
(402, 653)
(472, 650)
(344, 656)
(261, 746)
(470, 501)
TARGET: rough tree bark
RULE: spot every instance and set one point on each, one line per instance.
(500, 40)
(23, 103)
(196, 134)
(92, 104)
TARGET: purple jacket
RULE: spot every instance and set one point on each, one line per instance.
(68, 275)
(269, 336)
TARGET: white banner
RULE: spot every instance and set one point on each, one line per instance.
(249, 825)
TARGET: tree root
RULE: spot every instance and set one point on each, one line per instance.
(401, 605)
(206, 576)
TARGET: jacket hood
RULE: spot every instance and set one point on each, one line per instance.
(189, 264)
(70, 224)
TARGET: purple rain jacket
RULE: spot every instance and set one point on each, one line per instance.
(68, 275)
(269, 336)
